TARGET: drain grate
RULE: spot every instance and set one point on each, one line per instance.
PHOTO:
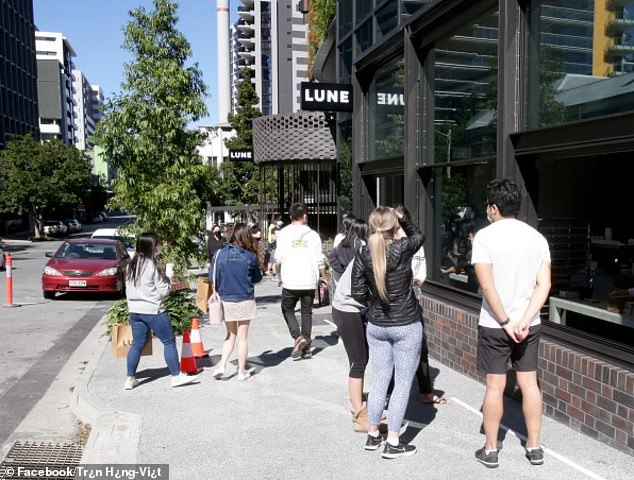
(38, 455)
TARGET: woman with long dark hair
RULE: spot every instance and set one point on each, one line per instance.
(382, 279)
(238, 268)
(146, 286)
(346, 313)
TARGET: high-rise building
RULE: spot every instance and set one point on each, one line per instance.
(18, 73)
(87, 102)
(55, 86)
(271, 39)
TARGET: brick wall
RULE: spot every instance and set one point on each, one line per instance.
(587, 394)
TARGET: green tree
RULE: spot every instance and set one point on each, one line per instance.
(241, 179)
(144, 132)
(41, 179)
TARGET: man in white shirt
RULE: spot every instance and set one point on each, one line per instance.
(302, 263)
(512, 264)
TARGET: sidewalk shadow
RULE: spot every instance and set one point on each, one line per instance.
(322, 342)
(268, 299)
(148, 375)
(513, 419)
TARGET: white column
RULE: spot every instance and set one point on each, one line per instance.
(224, 85)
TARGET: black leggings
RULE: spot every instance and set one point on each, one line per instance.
(352, 332)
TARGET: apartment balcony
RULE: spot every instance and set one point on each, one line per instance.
(618, 26)
(246, 29)
(617, 4)
(247, 42)
(246, 14)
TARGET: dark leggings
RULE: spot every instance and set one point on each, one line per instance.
(422, 372)
(352, 332)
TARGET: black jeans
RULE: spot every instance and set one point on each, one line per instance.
(289, 301)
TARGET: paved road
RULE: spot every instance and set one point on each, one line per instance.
(36, 335)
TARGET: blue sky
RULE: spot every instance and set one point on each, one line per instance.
(94, 28)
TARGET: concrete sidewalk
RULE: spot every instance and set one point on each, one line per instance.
(291, 420)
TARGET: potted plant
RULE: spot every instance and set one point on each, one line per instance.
(179, 307)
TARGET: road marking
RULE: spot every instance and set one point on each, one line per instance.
(521, 437)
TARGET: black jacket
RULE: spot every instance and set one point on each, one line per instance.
(213, 245)
(403, 308)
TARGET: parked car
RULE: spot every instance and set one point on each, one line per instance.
(116, 234)
(3, 260)
(55, 227)
(73, 225)
(85, 265)
(95, 217)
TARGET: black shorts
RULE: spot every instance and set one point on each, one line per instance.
(496, 348)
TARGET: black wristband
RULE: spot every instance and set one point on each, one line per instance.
(505, 322)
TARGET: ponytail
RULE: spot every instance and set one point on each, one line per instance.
(377, 246)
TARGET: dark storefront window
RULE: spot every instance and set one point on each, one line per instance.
(344, 17)
(386, 113)
(579, 60)
(362, 8)
(463, 160)
(345, 61)
(460, 193)
(363, 36)
(386, 19)
(465, 92)
(592, 245)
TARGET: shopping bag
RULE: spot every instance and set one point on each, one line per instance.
(121, 338)
(203, 292)
(216, 312)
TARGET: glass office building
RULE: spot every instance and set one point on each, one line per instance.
(449, 94)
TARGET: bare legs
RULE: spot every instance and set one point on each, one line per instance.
(355, 388)
(493, 407)
(531, 406)
(236, 330)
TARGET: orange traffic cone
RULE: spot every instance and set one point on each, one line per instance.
(188, 362)
(197, 342)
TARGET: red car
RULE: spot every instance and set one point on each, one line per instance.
(85, 265)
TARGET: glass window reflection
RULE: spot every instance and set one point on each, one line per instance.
(465, 91)
(580, 60)
(386, 107)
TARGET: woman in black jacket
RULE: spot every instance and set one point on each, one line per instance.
(382, 279)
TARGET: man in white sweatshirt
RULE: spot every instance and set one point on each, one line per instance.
(299, 253)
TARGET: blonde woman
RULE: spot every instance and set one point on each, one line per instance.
(382, 279)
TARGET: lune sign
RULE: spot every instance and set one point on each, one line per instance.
(237, 155)
(326, 97)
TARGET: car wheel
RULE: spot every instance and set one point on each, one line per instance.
(49, 295)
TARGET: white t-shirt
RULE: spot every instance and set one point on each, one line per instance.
(419, 265)
(517, 251)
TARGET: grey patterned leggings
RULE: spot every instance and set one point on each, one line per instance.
(392, 349)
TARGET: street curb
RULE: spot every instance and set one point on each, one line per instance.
(115, 435)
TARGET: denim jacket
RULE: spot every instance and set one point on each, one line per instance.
(238, 270)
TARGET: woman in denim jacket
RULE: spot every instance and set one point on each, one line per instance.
(238, 269)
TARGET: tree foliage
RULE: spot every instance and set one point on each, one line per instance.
(320, 16)
(41, 179)
(144, 132)
(241, 179)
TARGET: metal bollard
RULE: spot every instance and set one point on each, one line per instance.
(9, 267)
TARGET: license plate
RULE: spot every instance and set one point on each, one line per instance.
(77, 283)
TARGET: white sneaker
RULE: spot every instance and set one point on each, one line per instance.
(243, 376)
(130, 383)
(183, 379)
(219, 372)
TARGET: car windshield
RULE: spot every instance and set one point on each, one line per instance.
(87, 250)
(127, 242)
